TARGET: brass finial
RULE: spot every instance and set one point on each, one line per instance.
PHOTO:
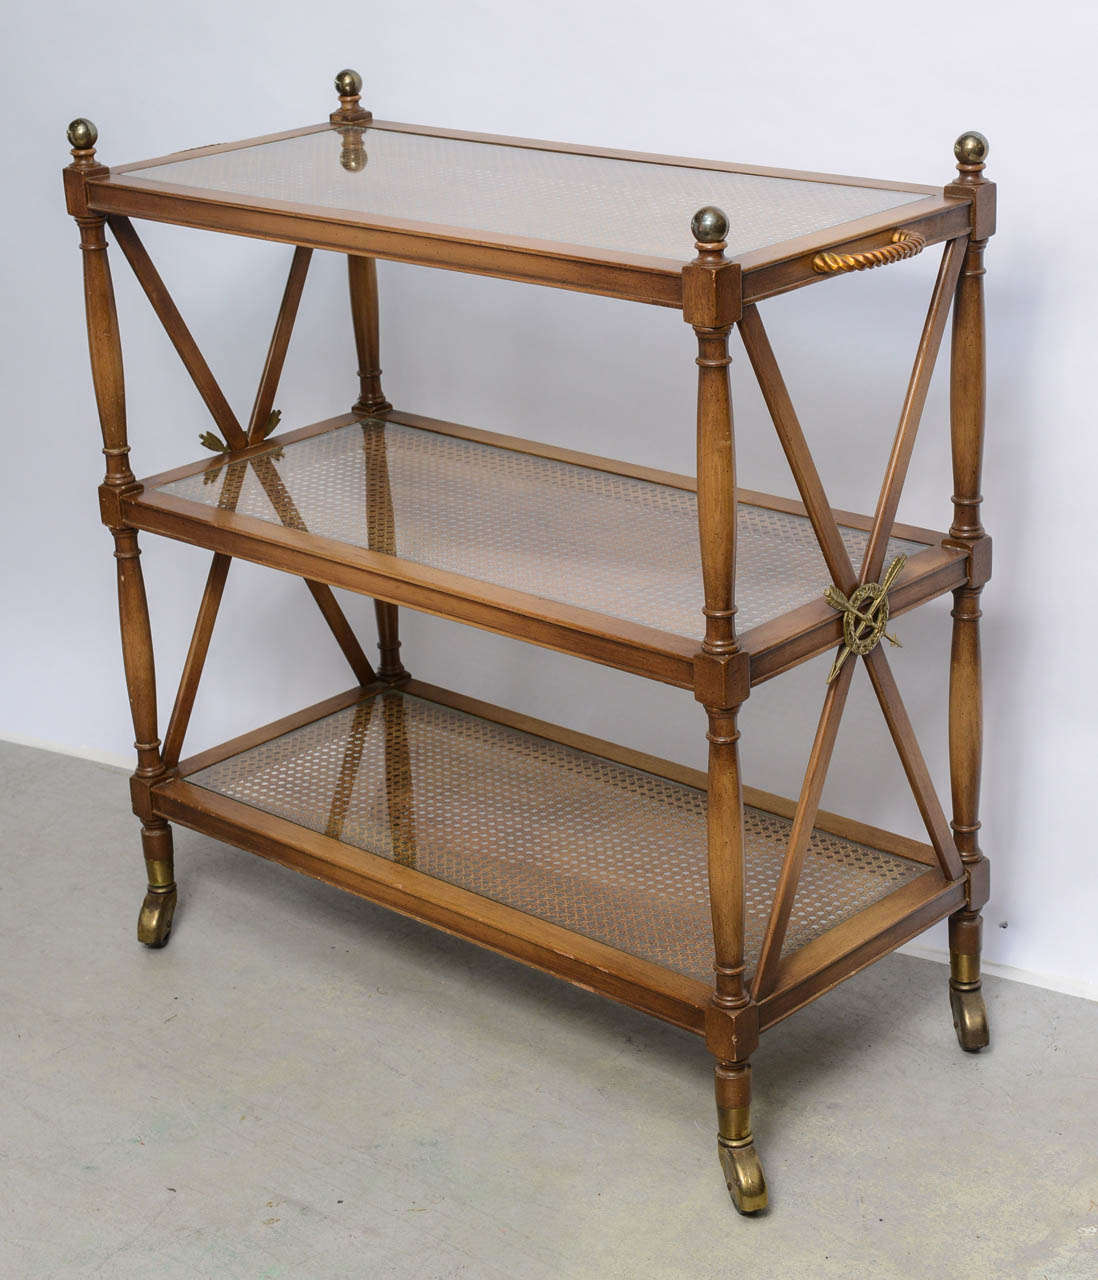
(710, 227)
(348, 84)
(83, 135)
(971, 150)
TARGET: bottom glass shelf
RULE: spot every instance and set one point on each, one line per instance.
(593, 845)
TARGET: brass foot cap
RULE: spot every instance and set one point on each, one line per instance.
(969, 1019)
(154, 924)
(744, 1175)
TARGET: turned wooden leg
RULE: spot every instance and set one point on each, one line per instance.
(362, 277)
(967, 411)
(966, 751)
(721, 683)
(155, 921)
(966, 748)
(105, 350)
(735, 1143)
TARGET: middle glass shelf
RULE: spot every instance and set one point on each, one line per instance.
(577, 553)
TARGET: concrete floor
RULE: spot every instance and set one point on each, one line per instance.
(305, 1085)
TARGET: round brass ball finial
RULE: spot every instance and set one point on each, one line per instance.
(709, 225)
(971, 149)
(348, 83)
(82, 134)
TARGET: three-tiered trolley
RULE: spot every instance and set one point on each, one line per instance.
(687, 895)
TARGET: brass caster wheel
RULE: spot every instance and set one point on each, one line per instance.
(744, 1175)
(154, 924)
(969, 1018)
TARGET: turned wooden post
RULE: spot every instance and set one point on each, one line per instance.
(711, 304)
(362, 276)
(967, 404)
(361, 271)
(362, 279)
(105, 349)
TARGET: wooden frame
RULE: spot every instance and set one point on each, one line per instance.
(946, 877)
(766, 272)
(773, 646)
(629, 979)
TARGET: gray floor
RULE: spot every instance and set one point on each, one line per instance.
(304, 1085)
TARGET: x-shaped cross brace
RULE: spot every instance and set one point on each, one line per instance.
(848, 583)
(236, 438)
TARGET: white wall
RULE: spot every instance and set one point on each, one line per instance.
(851, 88)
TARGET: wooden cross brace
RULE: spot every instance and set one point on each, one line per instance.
(847, 584)
(235, 439)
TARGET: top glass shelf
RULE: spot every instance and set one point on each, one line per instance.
(590, 201)
(576, 217)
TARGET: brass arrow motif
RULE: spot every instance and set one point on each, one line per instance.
(865, 615)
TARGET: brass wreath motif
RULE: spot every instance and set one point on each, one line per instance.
(904, 244)
(865, 615)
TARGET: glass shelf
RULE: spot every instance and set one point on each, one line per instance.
(572, 217)
(590, 201)
(599, 540)
(608, 851)
(578, 553)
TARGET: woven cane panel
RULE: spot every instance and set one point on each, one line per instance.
(589, 201)
(619, 546)
(599, 848)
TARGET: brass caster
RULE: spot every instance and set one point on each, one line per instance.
(744, 1175)
(969, 1018)
(154, 924)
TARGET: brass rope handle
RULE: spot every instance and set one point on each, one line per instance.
(904, 244)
